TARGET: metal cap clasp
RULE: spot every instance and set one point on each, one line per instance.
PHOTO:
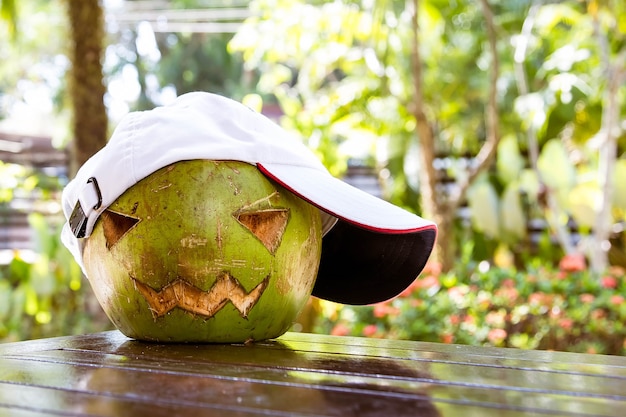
(78, 219)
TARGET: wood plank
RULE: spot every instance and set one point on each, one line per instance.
(39, 401)
(457, 363)
(542, 356)
(324, 368)
(205, 358)
(131, 377)
(303, 374)
(204, 391)
(165, 389)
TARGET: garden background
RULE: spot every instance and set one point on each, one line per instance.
(502, 121)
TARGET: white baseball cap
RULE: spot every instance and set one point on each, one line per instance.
(371, 249)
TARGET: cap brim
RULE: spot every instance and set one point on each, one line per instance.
(375, 250)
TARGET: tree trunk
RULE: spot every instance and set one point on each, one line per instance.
(615, 73)
(86, 87)
(90, 122)
(435, 205)
(446, 249)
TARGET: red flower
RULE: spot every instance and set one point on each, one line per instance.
(427, 281)
(370, 330)
(415, 303)
(587, 298)
(539, 298)
(508, 293)
(455, 319)
(508, 283)
(422, 282)
(340, 330)
(495, 318)
(457, 294)
(617, 299)
(408, 290)
(598, 314)
(608, 281)
(496, 336)
(382, 310)
(433, 268)
(573, 262)
(566, 323)
(447, 338)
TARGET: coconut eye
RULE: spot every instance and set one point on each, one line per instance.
(266, 225)
(116, 225)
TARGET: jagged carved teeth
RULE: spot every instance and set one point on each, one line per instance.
(188, 297)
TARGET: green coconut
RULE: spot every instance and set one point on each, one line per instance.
(204, 251)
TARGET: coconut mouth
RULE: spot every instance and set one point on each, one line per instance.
(186, 296)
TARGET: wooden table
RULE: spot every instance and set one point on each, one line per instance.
(106, 374)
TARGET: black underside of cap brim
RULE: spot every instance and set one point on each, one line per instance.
(360, 266)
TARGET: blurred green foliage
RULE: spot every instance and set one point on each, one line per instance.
(341, 72)
(565, 309)
(44, 295)
(42, 289)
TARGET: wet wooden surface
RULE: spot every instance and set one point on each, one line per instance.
(106, 374)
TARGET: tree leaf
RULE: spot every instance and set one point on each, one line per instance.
(483, 203)
(584, 202)
(619, 180)
(529, 184)
(557, 171)
(511, 213)
(510, 161)
(5, 299)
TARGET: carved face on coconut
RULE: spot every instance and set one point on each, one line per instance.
(204, 251)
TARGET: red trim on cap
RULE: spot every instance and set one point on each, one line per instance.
(270, 175)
